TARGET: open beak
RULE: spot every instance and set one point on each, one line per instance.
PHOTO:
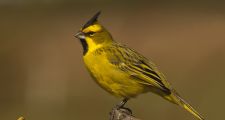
(80, 35)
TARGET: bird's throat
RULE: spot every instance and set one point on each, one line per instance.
(84, 45)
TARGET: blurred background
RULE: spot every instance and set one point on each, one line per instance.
(42, 75)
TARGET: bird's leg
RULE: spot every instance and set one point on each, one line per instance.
(119, 109)
(122, 103)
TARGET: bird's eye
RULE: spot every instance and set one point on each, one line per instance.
(91, 33)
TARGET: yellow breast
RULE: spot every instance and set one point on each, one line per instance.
(110, 77)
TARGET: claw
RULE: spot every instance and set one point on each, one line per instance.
(128, 111)
(120, 112)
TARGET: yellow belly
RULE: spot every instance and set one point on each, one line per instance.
(111, 78)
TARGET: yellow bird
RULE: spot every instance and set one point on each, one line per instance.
(122, 71)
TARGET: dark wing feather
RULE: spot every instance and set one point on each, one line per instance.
(137, 66)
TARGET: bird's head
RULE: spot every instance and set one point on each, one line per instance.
(93, 35)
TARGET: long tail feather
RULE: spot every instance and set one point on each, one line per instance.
(178, 100)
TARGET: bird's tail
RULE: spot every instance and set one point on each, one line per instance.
(175, 98)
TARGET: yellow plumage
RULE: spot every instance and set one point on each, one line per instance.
(122, 71)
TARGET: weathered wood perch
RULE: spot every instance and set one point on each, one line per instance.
(122, 114)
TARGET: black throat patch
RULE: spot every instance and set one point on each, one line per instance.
(84, 45)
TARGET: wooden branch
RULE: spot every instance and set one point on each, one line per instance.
(122, 114)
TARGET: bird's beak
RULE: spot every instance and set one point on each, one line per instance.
(80, 35)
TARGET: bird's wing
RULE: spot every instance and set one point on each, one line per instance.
(143, 70)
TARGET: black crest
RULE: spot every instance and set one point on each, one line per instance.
(92, 20)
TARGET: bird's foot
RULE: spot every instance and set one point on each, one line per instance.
(119, 112)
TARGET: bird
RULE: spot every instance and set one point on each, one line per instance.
(122, 71)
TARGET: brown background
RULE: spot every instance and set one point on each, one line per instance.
(42, 76)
